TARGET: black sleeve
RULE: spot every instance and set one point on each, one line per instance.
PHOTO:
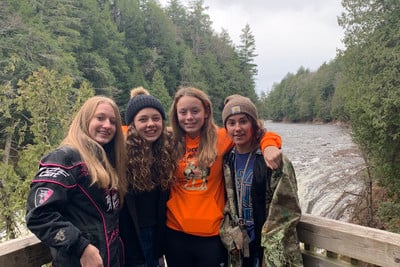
(47, 197)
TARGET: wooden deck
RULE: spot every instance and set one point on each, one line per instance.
(326, 243)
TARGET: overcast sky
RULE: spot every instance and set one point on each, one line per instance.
(288, 33)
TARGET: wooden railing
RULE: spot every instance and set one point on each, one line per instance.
(325, 243)
(341, 240)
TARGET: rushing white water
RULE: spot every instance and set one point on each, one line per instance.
(326, 162)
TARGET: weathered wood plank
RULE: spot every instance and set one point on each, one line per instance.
(315, 260)
(24, 251)
(366, 244)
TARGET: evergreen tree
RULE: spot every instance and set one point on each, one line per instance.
(199, 26)
(26, 38)
(247, 50)
(179, 17)
(370, 86)
(161, 38)
(247, 55)
(159, 90)
(35, 122)
(190, 71)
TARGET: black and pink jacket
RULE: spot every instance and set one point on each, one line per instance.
(67, 213)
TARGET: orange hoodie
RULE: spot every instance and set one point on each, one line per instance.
(124, 129)
(197, 199)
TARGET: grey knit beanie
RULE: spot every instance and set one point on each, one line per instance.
(139, 102)
(235, 104)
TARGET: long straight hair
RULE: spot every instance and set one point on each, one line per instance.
(208, 135)
(106, 164)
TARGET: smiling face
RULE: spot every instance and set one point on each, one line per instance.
(149, 124)
(191, 115)
(240, 129)
(102, 126)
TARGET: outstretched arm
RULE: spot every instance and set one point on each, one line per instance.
(270, 145)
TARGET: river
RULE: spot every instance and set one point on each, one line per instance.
(327, 164)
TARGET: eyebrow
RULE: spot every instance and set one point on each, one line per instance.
(103, 114)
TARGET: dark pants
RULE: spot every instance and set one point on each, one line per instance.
(148, 247)
(184, 250)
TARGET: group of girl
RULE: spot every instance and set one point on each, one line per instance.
(147, 195)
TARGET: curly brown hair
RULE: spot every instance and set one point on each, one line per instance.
(150, 165)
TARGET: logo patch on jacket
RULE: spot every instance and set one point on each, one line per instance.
(42, 195)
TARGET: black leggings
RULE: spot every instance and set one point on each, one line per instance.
(184, 250)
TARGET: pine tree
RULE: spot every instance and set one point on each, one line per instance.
(159, 90)
(246, 51)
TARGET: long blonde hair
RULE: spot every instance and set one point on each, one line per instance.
(106, 164)
(208, 136)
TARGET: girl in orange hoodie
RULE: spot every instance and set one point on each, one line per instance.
(196, 203)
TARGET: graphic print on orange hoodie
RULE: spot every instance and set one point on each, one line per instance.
(197, 199)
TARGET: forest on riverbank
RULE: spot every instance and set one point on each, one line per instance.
(360, 86)
(55, 54)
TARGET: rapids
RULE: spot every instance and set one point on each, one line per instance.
(327, 163)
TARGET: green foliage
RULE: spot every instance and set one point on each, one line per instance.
(191, 69)
(246, 56)
(161, 37)
(214, 82)
(53, 53)
(35, 121)
(97, 69)
(247, 50)
(198, 27)
(119, 45)
(371, 83)
(360, 86)
(159, 90)
(12, 194)
(43, 97)
(388, 212)
(307, 96)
